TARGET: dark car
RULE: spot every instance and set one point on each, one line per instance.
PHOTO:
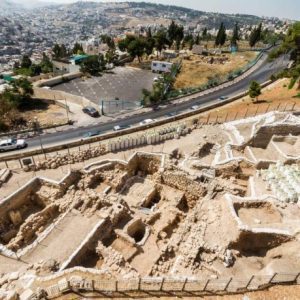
(171, 114)
(223, 98)
(91, 133)
(91, 111)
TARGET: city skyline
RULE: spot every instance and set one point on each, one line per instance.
(281, 8)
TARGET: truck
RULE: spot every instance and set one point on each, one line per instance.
(161, 66)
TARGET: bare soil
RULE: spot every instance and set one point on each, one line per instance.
(196, 72)
(275, 97)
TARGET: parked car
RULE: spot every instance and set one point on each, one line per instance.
(91, 133)
(91, 111)
(121, 127)
(171, 114)
(147, 121)
(195, 107)
(12, 144)
(223, 98)
(159, 78)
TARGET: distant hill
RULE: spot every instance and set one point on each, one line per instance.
(208, 19)
(9, 6)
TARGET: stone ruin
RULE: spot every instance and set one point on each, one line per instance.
(155, 216)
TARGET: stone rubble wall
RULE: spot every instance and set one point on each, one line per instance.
(242, 227)
(19, 197)
(4, 176)
(99, 230)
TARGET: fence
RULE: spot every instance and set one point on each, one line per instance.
(250, 111)
(204, 119)
(165, 286)
(110, 107)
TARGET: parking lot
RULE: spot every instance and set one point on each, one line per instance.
(124, 83)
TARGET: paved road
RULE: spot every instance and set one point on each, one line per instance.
(261, 75)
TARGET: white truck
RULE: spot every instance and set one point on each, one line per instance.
(161, 66)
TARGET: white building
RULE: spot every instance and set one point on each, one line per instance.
(161, 66)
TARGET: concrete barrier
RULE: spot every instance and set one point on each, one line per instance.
(111, 135)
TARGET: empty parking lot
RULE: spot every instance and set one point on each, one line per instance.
(124, 83)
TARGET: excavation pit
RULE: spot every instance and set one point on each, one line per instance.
(258, 213)
(137, 230)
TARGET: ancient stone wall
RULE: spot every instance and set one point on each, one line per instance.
(19, 197)
(264, 134)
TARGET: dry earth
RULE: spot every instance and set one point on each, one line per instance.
(197, 71)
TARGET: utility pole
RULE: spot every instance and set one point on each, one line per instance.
(67, 110)
(39, 135)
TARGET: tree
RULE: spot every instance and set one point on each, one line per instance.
(290, 44)
(172, 31)
(161, 41)
(63, 51)
(108, 40)
(175, 33)
(26, 62)
(255, 35)
(189, 40)
(197, 40)
(221, 36)
(56, 51)
(136, 48)
(60, 51)
(93, 65)
(149, 33)
(153, 97)
(254, 90)
(149, 45)
(123, 44)
(235, 36)
(46, 64)
(204, 34)
(111, 56)
(77, 49)
(179, 36)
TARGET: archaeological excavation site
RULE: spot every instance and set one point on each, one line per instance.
(214, 210)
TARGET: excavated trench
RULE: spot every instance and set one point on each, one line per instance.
(257, 244)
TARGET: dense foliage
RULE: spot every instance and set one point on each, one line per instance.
(27, 68)
(15, 97)
(291, 46)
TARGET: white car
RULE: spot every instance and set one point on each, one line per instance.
(121, 127)
(12, 144)
(159, 78)
(195, 107)
(147, 121)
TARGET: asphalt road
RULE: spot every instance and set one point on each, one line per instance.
(261, 75)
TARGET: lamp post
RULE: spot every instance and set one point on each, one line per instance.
(67, 110)
(40, 138)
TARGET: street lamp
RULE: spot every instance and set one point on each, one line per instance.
(67, 110)
(38, 133)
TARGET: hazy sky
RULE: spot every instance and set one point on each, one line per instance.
(279, 8)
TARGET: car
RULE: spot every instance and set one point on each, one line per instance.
(172, 114)
(147, 121)
(12, 144)
(156, 108)
(121, 127)
(91, 111)
(91, 133)
(223, 98)
(159, 78)
(195, 107)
